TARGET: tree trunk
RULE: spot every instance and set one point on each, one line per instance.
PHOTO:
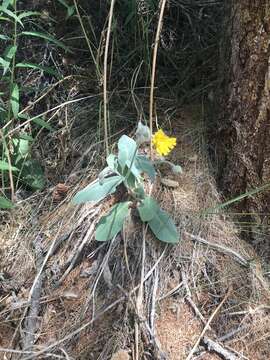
(244, 135)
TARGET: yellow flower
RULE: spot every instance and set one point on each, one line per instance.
(163, 143)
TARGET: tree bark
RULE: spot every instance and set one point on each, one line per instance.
(244, 135)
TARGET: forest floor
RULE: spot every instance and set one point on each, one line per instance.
(63, 295)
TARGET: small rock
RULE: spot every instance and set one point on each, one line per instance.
(169, 183)
(121, 355)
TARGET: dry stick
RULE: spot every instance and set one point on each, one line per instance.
(80, 248)
(223, 249)
(154, 63)
(139, 299)
(20, 352)
(36, 281)
(34, 306)
(105, 95)
(153, 303)
(217, 348)
(208, 325)
(189, 299)
(86, 325)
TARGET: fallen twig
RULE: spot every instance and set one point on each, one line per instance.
(221, 248)
(36, 281)
(219, 349)
(31, 321)
(189, 300)
(89, 323)
(207, 326)
(78, 250)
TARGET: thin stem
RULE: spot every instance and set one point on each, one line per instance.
(105, 95)
(87, 38)
(154, 62)
(9, 120)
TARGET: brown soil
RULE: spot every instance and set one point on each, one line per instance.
(93, 283)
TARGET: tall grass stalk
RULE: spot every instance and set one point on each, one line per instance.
(105, 66)
(154, 63)
(9, 112)
(87, 40)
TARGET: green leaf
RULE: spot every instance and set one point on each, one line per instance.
(4, 19)
(145, 166)
(148, 209)
(15, 105)
(10, 14)
(97, 191)
(4, 64)
(112, 162)
(39, 67)
(139, 192)
(32, 174)
(110, 225)
(4, 37)
(130, 181)
(42, 123)
(4, 166)
(5, 203)
(6, 3)
(25, 14)
(163, 227)
(133, 169)
(21, 147)
(70, 8)
(7, 57)
(127, 150)
(250, 193)
(25, 136)
(46, 37)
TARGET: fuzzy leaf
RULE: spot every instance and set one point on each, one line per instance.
(110, 225)
(145, 165)
(148, 209)
(127, 149)
(163, 227)
(97, 191)
(112, 162)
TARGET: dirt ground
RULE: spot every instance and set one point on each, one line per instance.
(87, 300)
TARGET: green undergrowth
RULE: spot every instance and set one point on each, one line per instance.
(19, 28)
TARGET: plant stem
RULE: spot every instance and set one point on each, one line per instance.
(87, 39)
(154, 62)
(8, 119)
(105, 65)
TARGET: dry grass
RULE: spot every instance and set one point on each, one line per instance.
(165, 323)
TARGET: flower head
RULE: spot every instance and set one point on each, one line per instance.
(142, 133)
(163, 143)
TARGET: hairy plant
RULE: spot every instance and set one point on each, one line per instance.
(128, 168)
